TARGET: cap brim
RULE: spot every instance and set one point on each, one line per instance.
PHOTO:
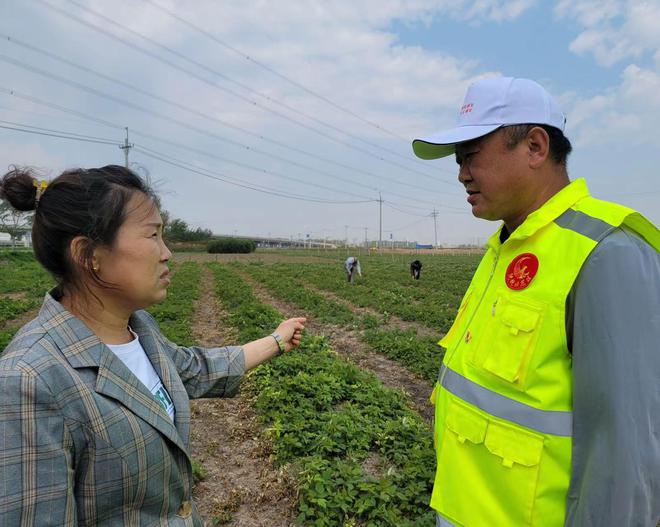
(442, 144)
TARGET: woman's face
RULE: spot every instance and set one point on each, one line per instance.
(136, 264)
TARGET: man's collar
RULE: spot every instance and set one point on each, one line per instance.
(548, 212)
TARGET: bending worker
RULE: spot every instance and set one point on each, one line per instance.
(352, 266)
(548, 402)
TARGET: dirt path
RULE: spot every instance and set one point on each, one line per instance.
(241, 487)
(348, 344)
(14, 296)
(393, 322)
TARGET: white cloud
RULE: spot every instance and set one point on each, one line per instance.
(344, 50)
(631, 109)
(496, 10)
(613, 30)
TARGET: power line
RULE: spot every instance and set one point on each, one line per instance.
(178, 122)
(163, 157)
(19, 127)
(54, 106)
(135, 132)
(297, 180)
(213, 84)
(60, 135)
(198, 113)
(273, 71)
(221, 177)
(89, 138)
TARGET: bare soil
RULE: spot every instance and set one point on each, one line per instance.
(13, 296)
(241, 486)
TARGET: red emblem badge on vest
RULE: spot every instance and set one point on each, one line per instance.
(521, 271)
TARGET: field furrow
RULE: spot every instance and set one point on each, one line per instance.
(358, 454)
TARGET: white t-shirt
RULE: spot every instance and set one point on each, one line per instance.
(133, 355)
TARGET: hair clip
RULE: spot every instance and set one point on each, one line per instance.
(41, 186)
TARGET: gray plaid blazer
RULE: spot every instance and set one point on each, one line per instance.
(82, 440)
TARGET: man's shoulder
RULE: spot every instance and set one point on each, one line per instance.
(622, 257)
(624, 244)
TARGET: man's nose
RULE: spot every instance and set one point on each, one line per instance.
(464, 174)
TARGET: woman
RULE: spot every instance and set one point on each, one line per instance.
(94, 400)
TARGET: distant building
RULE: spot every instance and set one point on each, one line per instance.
(24, 239)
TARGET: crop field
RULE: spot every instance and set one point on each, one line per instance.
(335, 433)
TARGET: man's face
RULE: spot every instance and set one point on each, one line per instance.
(496, 178)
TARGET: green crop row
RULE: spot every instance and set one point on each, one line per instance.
(174, 315)
(421, 355)
(290, 288)
(21, 273)
(361, 456)
(388, 288)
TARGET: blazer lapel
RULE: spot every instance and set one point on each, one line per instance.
(164, 366)
(83, 349)
(117, 381)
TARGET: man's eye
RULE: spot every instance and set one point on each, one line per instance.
(460, 159)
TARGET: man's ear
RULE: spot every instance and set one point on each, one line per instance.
(538, 144)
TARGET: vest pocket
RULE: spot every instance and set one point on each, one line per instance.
(487, 470)
(509, 339)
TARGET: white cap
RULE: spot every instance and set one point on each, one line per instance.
(488, 105)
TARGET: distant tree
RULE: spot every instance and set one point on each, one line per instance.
(177, 230)
(14, 222)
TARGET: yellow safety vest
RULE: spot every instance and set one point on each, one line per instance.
(503, 401)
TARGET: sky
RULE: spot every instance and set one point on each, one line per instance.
(294, 119)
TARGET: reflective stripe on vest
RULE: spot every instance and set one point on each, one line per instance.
(544, 421)
(441, 522)
(588, 226)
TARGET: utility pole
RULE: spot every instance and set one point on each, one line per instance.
(435, 227)
(126, 147)
(366, 243)
(380, 235)
(346, 236)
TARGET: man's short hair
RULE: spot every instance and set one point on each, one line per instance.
(560, 146)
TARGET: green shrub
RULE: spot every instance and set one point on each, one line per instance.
(231, 245)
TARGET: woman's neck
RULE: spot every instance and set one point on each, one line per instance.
(106, 320)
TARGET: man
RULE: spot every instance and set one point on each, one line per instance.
(416, 269)
(352, 266)
(548, 399)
